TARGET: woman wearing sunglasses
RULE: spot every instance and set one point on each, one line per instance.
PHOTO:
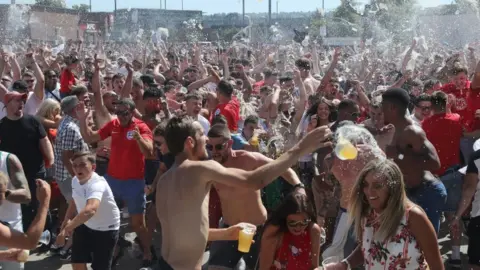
(291, 239)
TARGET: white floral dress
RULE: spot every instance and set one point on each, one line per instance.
(400, 252)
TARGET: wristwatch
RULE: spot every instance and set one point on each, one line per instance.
(345, 261)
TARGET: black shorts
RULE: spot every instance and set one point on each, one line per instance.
(474, 241)
(96, 247)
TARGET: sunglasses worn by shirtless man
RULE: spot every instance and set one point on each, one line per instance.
(183, 191)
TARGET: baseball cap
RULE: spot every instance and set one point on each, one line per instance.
(14, 94)
(20, 86)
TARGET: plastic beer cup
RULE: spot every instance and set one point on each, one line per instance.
(245, 237)
(330, 260)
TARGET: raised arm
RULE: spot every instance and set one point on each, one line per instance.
(265, 174)
(39, 89)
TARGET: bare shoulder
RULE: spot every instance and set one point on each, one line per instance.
(417, 217)
(315, 229)
(414, 130)
(251, 160)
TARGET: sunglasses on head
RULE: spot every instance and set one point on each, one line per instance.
(217, 147)
(302, 223)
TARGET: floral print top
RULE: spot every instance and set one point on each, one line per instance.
(400, 252)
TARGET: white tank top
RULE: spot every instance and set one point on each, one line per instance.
(9, 212)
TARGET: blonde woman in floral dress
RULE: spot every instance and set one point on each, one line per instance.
(393, 232)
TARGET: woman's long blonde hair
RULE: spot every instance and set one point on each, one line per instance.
(390, 218)
(47, 108)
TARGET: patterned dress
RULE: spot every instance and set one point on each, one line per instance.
(294, 253)
(399, 252)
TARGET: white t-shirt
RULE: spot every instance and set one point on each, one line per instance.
(107, 217)
(32, 104)
(205, 124)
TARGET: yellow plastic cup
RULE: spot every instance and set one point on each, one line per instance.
(245, 237)
(345, 150)
(23, 256)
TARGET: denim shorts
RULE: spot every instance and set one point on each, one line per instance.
(431, 196)
(130, 191)
(453, 182)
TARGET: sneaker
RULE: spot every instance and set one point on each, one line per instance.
(455, 263)
(147, 265)
(65, 255)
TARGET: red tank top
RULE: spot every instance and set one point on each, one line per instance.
(294, 253)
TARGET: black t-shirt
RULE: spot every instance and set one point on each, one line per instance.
(22, 138)
(472, 166)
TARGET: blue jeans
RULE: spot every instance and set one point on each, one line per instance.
(431, 196)
(453, 182)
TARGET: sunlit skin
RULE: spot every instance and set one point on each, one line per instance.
(83, 168)
(193, 107)
(124, 115)
(323, 111)
(15, 106)
(109, 99)
(376, 114)
(423, 110)
(219, 148)
(160, 144)
(297, 223)
(30, 82)
(118, 84)
(85, 98)
(375, 191)
(197, 145)
(3, 189)
(248, 130)
(460, 80)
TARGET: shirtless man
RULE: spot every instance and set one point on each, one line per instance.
(415, 156)
(238, 204)
(104, 113)
(311, 84)
(183, 191)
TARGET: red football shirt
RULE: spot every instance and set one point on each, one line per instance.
(444, 131)
(231, 111)
(460, 105)
(126, 160)
(67, 79)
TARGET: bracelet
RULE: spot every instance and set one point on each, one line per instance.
(345, 261)
(301, 185)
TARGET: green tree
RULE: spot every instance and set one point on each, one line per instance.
(82, 8)
(51, 3)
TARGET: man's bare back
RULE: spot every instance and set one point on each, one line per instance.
(182, 208)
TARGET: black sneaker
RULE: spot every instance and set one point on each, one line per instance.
(455, 263)
(65, 255)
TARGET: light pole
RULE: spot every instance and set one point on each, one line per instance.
(165, 4)
(269, 12)
(182, 4)
(277, 7)
(90, 5)
(243, 12)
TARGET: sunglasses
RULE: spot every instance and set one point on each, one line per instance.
(355, 115)
(122, 113)
(29, 81)
(218, 147)
(295, 224)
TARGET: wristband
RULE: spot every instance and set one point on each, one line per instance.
(7, 193)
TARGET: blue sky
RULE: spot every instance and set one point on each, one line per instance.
(219, 6)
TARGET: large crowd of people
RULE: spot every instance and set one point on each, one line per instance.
(336, 158)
